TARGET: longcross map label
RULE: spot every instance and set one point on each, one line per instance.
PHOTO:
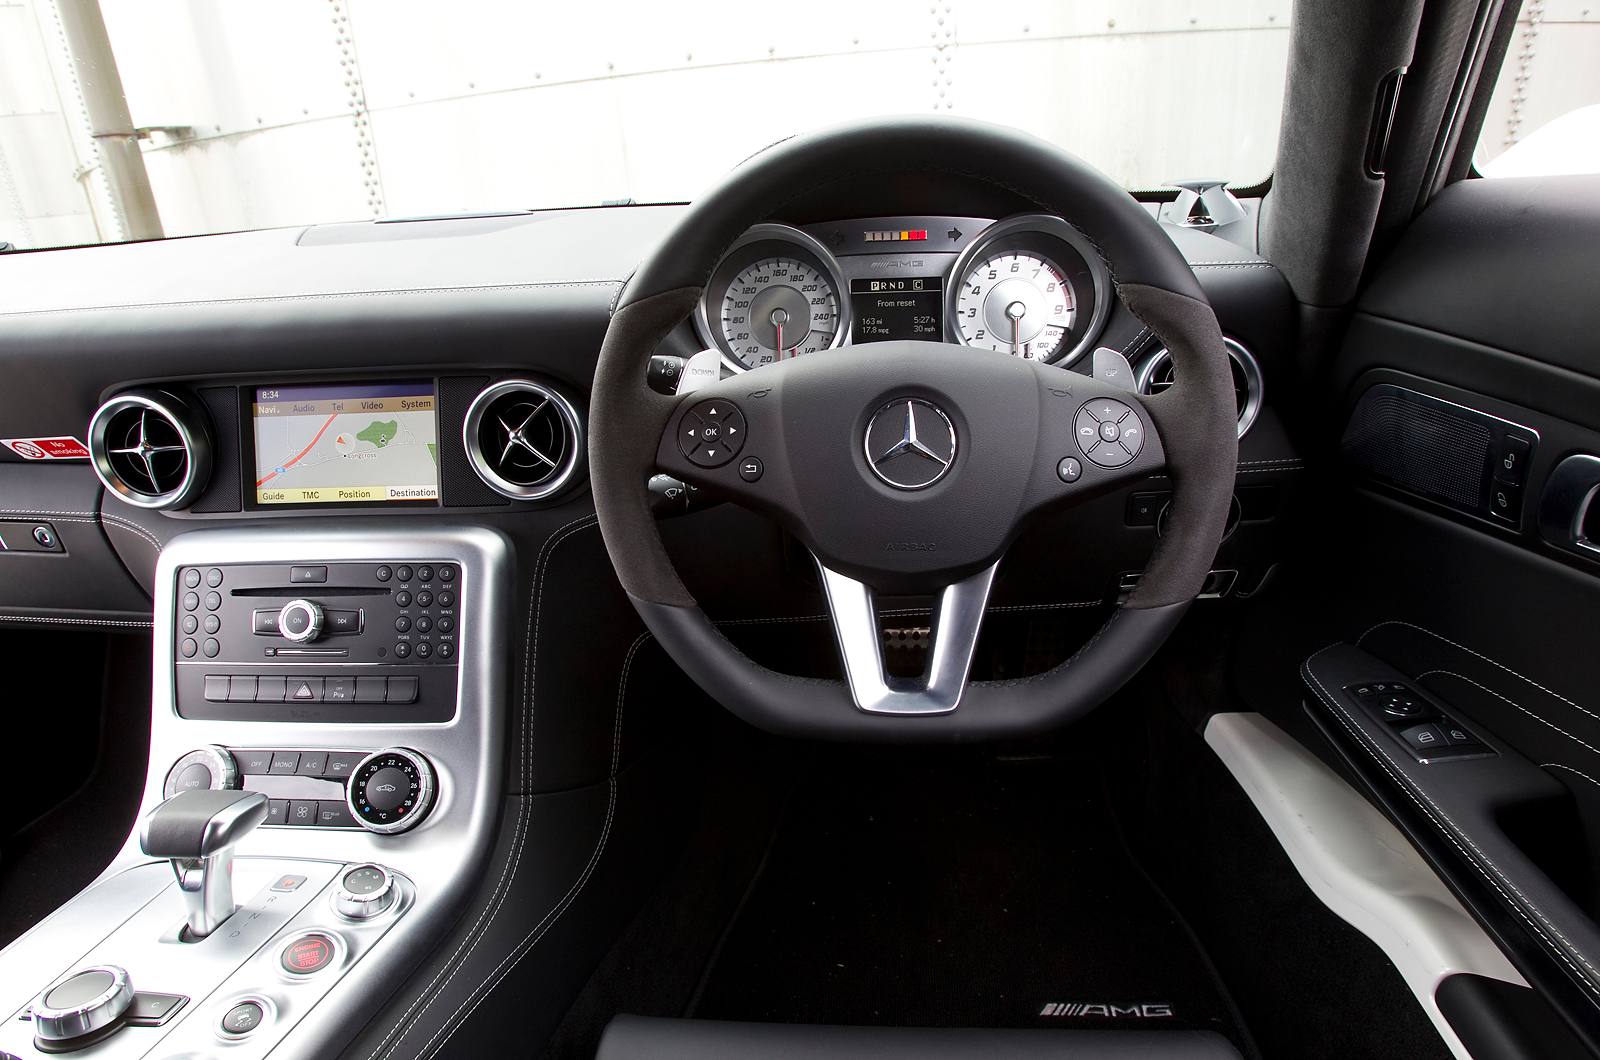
(351, 444)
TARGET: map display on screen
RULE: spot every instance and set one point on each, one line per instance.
(345, 443)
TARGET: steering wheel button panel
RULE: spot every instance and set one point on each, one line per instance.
(1109, 432)
(711, 433)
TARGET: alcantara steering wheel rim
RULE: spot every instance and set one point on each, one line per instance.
(809, 418)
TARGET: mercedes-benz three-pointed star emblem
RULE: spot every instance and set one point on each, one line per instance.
(910, 443)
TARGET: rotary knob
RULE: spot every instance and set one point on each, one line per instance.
(300, 621)
(208, 768)
(391, 790)
(363, 892)
(82, 1009)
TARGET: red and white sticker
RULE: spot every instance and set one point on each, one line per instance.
(68, 448)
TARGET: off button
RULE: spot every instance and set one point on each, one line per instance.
(308, 954)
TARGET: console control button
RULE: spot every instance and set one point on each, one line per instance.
(402, 624)
(334, 814)
(213, 601)
(312, 763)
(384, 573)
(424, 649)
(446, 649)
(424, 599)
(277, 812)
(194, 778)
(402, 690)
(190, 623)
(286, 884)
(301, 575)
(402, 599)
(302, 812)
(241, 690)
(402, 650)
(403, 573)
(309, 954)
(285, 763)
(272, 689)
(1511, 462)
(447, 573)
(254, 763)
(1425, 737)
(338, 623)
(364, 892)
(150, 1009)
(191, 578)
(242, 1020)
(305, 689)
(213, 577)
(342, 763)
(391, 790)
(424, 573)
(210, 648)
(339, 690)
(371, 689)
(447, 599)
(216, 688)
(213, 623)
(191, 601)
(188, 647)
(424, 623)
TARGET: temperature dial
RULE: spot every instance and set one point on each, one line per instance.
(391, 790)
(300, 621)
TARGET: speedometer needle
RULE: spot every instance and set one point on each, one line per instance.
(780, 317)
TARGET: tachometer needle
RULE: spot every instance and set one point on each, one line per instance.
(1015, 312)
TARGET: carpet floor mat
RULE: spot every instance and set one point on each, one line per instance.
(916, 888)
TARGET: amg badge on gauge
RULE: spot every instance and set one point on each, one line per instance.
(910, 443)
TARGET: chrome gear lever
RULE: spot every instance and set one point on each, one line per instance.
(197, 830)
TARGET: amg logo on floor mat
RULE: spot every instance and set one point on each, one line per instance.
(1136, 1011)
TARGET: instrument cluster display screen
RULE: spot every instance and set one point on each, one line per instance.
(899, 307)
(351, 443)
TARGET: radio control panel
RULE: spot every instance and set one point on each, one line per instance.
(330, 642)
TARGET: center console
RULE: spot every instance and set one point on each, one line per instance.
(324, 778)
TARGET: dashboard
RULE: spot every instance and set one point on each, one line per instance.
(327, 469)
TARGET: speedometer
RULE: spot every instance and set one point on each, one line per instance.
(1016, 302)
(777, 293)
(778, 308)
(1031, 286)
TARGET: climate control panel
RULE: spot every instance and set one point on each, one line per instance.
(335, 642)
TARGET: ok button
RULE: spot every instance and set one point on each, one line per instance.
(1110, 431)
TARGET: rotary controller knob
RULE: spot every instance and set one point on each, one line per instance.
(363, 892)
(208, 768)
(88, 1005)
(391, 790)
(300, 621)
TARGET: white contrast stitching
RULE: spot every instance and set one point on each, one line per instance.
(1485, 658)
(1514, 703)
(38, 512)
(514, 859)
(132, 527)
(1569, 769)
(1454, 833)
(79, 621)
(531, 939)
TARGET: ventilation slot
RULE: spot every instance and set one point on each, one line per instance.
(1156, 374)
(524, 439)
(151, 449)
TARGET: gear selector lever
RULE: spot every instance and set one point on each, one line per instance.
(197, 830)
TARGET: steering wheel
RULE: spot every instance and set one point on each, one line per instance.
(909, 467)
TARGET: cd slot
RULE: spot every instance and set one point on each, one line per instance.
(317, 590)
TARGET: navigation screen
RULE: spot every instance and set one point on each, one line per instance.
(908, 308)
(345, 444)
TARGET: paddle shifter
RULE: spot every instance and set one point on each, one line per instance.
(198, 830)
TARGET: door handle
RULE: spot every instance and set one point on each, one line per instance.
(1568, 496)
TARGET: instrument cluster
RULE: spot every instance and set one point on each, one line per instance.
(1030, 285)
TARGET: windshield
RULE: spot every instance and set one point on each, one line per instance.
(139, 120)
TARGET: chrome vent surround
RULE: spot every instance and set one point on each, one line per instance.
(151, 448)
(1155, 375)
(525, 440)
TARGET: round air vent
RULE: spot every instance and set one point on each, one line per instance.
(1155, 375)
(151, 448)
(524, 439)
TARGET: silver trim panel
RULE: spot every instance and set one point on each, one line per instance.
(1357, 863)
(491, 477)
(952, 638)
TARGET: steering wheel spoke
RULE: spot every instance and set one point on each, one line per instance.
(952, 638)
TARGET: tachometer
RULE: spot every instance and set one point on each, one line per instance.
(776, 294)
(1031, 286)
(1018, 303)
(776, 308)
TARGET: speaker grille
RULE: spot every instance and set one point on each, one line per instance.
(1421, 444)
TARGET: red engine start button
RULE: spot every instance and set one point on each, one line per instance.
(308, 954)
